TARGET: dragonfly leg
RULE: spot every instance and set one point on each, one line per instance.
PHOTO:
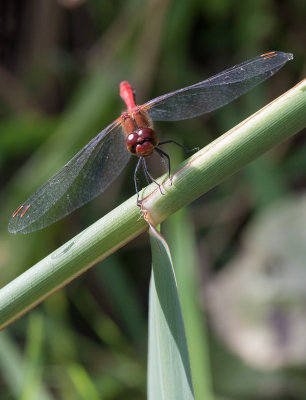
(180, 145)
(148, 175)
(164, 156)
(146, 171)
(140, 161)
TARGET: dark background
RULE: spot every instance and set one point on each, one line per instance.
(61, 63)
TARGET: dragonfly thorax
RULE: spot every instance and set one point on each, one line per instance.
(142, 142)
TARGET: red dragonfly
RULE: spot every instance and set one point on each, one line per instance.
(95, 167)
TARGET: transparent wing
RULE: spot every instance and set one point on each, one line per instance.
(216, 91)
(85, 176)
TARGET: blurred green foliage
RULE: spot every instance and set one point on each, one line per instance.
(61, 64)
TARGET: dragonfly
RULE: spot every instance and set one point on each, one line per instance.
(100, 162)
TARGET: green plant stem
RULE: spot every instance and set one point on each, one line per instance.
(268, 127)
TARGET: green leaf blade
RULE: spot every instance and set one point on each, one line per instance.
(169, 375)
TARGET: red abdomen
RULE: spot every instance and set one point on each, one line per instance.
(127, 94)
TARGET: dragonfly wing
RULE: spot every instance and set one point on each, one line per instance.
(84, 177)
(216, 91)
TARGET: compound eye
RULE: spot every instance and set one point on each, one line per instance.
(131, 142)
(147, 135)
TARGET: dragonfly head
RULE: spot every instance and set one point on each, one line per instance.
(142, 142)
